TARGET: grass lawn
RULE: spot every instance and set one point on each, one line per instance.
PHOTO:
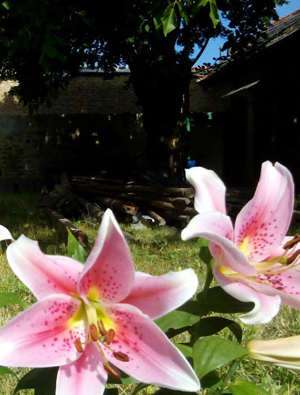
(155, 251)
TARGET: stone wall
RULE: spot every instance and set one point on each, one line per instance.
(94, 125)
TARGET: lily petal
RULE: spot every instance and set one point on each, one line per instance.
(158, 295)
(42, 274)
(265, 307)
(281, 352)
(263, 222)
(86, 375)
(209, 190)
(152, 356)
(217, 228)
(5, 234)
(43, 335)
(109, 269)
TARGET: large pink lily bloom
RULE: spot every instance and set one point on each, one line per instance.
(248, 260)
(92, 319)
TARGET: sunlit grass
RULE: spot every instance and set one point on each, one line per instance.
(155, 251)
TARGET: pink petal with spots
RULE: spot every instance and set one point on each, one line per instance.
(109, 267)
(217, 228)
(42, 274)
(152, 357)
(209, 190)
(264, 220)
(158, 295)
(265, 307)
(5, 234)
(41, 336)
(85, 376)
(286, 285)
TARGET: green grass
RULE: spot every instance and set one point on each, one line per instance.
(155, 251)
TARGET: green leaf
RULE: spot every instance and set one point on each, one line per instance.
(201, 242)
(169, 20)
(213, 352)
(6, 4)
(214, 13)
(164, 391)
(5, 370)
(187, 351)
(75, 249)
(49, 47)
(211, 381)
(43, 381)
(205, 255)
(111, 391)
(219, 301)
(211, 325)
(176, 319)
(11, 298)
(139, 387)
(246, 388)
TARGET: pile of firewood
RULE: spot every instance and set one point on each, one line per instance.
(150, 203)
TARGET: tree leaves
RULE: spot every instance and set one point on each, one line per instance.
(169, 20)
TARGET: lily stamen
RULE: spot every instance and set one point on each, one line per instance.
(120, 356)
(110, 336)
(78, 345)
(102, 328)
(291, 243)
(94, 332)
(112, 370)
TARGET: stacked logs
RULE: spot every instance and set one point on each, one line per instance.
(151, 203)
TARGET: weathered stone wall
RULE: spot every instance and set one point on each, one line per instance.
(94, 125)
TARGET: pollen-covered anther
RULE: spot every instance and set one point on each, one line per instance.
(94, 332)
(120, 356)
(110, 336)
(293, 257)
(112, 370)
(78, 345)
(291, 243)
(101, 328)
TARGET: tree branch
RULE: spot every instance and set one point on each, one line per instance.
(200, 52)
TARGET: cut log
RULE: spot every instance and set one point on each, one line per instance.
(118, 205)
(62, 225)
(96, 189)
(92, 209)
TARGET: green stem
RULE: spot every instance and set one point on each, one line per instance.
(227, 377)
(208, 280)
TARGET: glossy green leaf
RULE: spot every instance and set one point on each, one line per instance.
(75, 249)
(211, 325)
(205, 255)
(5, 370)
(214, 13)
(219, 301)
(169, 20)
(43, 381)
(6, 4)
(246, 388)
(11, 298)
(176, 319)
(187, 351)
(213, 352)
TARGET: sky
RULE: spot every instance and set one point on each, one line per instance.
(213, 48)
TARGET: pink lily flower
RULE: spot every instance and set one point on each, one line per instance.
(93, 319)
(5, 234)
(248, 260)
